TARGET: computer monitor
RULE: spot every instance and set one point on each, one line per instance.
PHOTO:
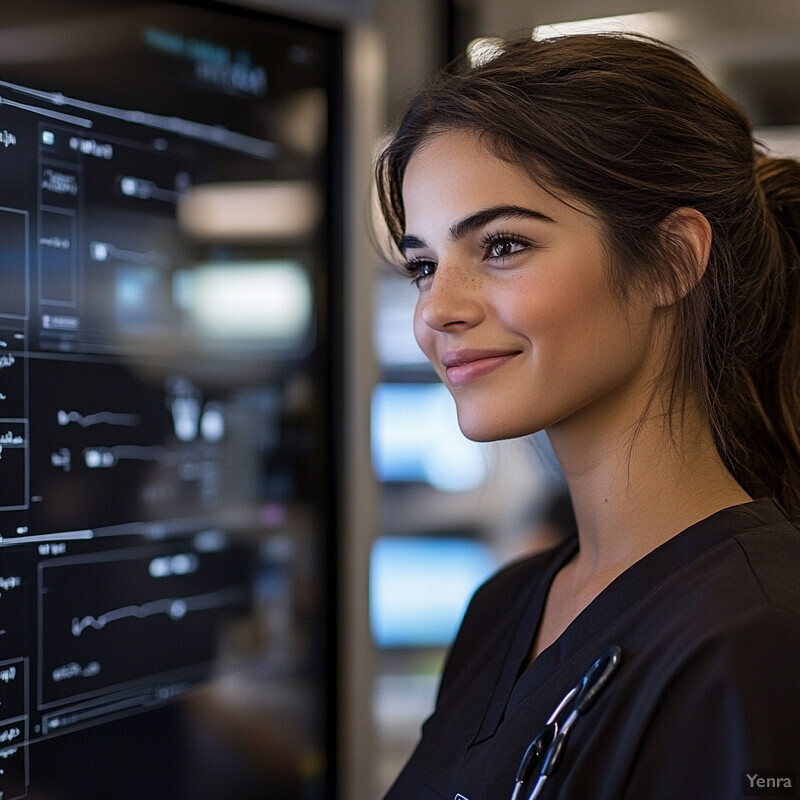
(168, 317)
(420, 587)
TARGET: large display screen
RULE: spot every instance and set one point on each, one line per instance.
(167, 247)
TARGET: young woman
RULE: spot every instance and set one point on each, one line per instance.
(603, 253)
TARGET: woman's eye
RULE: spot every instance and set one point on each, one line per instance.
(502, 248)
(419, 270)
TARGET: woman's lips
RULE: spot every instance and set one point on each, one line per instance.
(463, 366)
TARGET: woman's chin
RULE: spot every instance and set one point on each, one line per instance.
(482, 429)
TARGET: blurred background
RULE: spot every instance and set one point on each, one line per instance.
(373, 518)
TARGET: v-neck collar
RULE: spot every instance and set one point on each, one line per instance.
(516, 682)
(518, 652)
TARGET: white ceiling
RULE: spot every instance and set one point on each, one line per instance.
(752, 47)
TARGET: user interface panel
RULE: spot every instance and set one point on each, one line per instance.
(165, 427)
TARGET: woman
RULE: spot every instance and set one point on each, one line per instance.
(602, 253)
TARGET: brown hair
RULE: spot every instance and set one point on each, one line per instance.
(632, 129)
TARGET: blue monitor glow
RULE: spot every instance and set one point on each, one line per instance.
(420, 587)
(416, 438)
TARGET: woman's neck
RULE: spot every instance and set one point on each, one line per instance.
(635, 489)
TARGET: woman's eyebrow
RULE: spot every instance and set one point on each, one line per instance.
(409, 242)
(477, 220)
(487, 215)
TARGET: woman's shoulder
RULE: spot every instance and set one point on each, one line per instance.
(771, 549)
(744, 558)
(756, 571)
(732, 600)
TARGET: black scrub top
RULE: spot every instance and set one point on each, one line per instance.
(707, 692)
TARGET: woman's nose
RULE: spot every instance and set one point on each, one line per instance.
(452, 299)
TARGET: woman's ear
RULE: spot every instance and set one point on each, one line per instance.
(687, 238)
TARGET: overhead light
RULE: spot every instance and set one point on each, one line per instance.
(269, 302)
(255, 211)
(482, 50)
(658, 24)
(780, 141)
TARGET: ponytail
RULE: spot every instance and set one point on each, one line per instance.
(757, 417)
(771, 390)
(779, 180)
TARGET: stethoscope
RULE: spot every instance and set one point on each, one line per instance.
(544, 752)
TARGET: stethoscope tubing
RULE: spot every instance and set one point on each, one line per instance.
(547, 746)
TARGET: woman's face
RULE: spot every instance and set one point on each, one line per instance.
(515, 311)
